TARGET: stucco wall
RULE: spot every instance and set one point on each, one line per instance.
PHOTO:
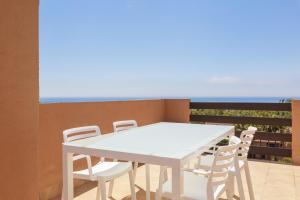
(296, 132)
(19, 96)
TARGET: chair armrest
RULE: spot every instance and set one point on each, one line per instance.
(199, 171)
(88, 160)
(89, 164)
(79, 157)
(204, 167)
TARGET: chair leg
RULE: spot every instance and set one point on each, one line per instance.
(228, 194)
(147, 182)
(102, 189)
(135, 167)
(98, 191)
(161, 179)
(110, 189)
(230, 187)
(240, 184)
(132, 188)
(249, 181)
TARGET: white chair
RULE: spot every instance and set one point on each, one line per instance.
(212, 149)
(103, 171)
(125, 125)
(240, 163)
(204, 183)
(122, 126)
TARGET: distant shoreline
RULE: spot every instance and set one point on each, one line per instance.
(47, 100)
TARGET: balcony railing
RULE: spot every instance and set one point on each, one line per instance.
(267, 144)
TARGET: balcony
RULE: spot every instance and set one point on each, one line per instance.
(31, 133)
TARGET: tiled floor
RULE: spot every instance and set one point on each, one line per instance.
(270, 181)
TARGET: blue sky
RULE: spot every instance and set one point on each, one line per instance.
(165, 48)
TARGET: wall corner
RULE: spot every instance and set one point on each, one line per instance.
(296, 132)
(177, 110)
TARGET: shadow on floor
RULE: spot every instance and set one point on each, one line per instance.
(89, 185)
(234, 198)
(140, 194)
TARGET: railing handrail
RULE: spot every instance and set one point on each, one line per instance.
(242, 120)
(242, 106)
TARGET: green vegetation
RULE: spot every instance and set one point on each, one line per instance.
(250, 113)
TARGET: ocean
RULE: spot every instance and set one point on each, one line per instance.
(47, 100)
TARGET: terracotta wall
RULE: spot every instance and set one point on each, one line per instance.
(54, 118)
(19, 96)
(296, 132)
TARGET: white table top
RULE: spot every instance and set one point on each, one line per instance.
(170, 140)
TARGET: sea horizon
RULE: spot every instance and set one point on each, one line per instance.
(47, 100)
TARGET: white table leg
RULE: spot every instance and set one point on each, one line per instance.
(68, 192)
(177, 182)
(147, 181)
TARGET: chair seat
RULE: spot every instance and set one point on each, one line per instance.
(208, 160)
(195, 187)
(104, 170)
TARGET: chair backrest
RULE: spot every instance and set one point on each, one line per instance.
(81, 133)
(124, 125)
(246, 138)
(223, 161)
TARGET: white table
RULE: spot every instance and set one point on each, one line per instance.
(165, 144)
